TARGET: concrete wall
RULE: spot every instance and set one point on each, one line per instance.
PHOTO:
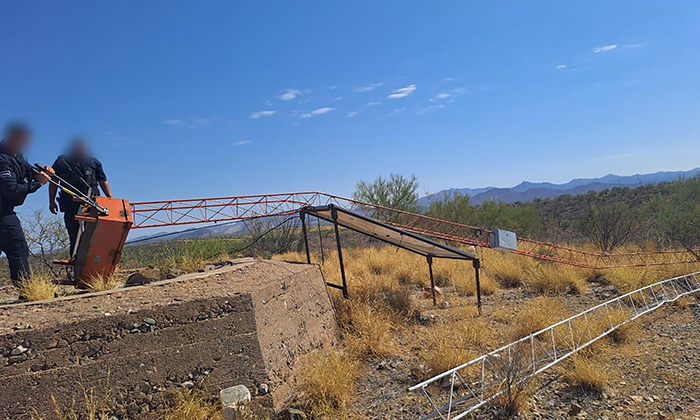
(249, 324)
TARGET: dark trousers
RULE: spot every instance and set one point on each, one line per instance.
(70, 209)
(14, 245)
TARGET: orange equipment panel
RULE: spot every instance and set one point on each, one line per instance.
(100, 243)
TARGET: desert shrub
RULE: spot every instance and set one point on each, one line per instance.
(274, 235)
(327, 383)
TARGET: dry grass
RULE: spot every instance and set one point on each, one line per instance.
(39, 287)
(99, 282)
(327, 383)
(95, 406)
(540, 313)
(454, 342)
(509, 270)
(368, 332)
(589, 372)
(551, 278)
(194, 405)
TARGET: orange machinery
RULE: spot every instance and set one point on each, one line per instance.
(100, 239)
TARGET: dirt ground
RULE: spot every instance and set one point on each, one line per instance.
(657, 377)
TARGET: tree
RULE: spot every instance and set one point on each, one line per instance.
(273, 235)
(609, 226)
(397, 192)
(679, 214)
(47, 238)
(455, 208)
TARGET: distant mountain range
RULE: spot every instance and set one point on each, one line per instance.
(523, 192)
(527, 191)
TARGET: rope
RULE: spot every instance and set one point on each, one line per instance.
(262, 235)
(164, 235)
(320, 239)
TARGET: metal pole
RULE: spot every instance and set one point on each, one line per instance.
(432, 280)
(334, 216)
(302, 215)
(477, 264)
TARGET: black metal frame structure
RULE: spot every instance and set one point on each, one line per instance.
(330, 213)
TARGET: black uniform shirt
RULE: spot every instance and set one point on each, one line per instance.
(84, 174)
(16, 180)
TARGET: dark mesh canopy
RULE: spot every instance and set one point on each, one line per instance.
(390, 234)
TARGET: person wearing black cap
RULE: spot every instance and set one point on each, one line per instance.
(84, 172)
(17, 180)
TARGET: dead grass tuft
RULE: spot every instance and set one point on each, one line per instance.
(454, 342)
(549, 278)
(507, 269)
(39, 287)
(101, 282)
(194, 405)
(327, 383)
(536, 315)
(368, 332)
(588, 372)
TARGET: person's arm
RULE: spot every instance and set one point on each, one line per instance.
(11, 188)
(102, 178)
(105, 188)
(53, 208)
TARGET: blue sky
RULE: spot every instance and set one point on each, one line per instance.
(192, 99)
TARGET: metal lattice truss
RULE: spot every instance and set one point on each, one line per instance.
(148, 214)
(504, 372)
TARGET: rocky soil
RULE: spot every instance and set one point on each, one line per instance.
(655, 377)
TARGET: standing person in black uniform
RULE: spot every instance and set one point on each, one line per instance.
(17, 180)
(79, 168)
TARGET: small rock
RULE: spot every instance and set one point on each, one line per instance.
(149, 321)
(234, 396)
(18, 350)
(574, 409)
(443, 305)
(293, 414)
(171, 273)
(187, 384)
(146, 276)
(263, 389)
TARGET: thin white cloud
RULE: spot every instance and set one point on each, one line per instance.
(173, 121)
(316, 112)
(352, 114)
(242, 142)
(289, 94)
(430, 108)
(333, 87)
(443, 95)
(373, 103)
(396, 111)
(450, 79)
(368, 88)
(632, 46)
(403, 92)
(604, 48)
(339, 98)
(256, 115)
(560, 67)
